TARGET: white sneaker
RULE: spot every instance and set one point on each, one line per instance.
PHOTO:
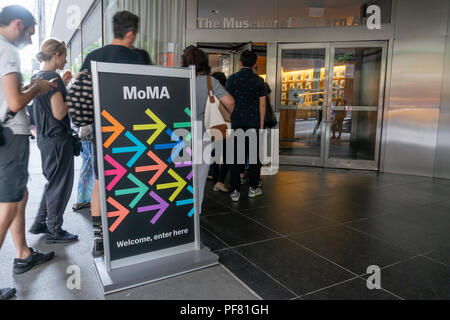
(253, 193)
(219, 186)
(235, 196)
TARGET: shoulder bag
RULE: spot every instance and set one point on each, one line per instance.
(76, 141)
(214, 115)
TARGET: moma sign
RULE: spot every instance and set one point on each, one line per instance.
(282, 14)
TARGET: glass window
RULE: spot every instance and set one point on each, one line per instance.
(68, 64)
(161, 27)
(75, 54)
(92, 31)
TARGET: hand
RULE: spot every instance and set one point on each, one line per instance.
(67, 76)
(43, 86)
(26, 87)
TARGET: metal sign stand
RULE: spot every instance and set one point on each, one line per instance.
(135, 270)
(153, 270)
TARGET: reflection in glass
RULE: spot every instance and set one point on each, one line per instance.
(75, 54)
(355, 99)
(220, 62)
(302, 81)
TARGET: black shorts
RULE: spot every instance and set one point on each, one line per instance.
(14, 157)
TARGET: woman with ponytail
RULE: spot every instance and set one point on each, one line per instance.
(55, 143)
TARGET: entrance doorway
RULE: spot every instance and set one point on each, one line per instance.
(331, 98)
(225, 57)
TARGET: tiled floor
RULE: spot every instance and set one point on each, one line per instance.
(314, 233)
(49, 281)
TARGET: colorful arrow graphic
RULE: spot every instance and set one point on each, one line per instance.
(188, 201)
(159, 167)
(140, 190)
(161, 207)
(186, 164)
(138, 148)
(175, 146)
(179, 185)
(118, 172)
(186, 124)
(116, 129)
(158, 126)
(121, 214)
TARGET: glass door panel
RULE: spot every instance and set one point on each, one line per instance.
(302, 92)
(356, 101)
(220, 62)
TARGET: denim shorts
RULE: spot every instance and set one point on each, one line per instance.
(14, 157)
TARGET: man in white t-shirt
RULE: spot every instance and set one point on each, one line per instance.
(16, 28)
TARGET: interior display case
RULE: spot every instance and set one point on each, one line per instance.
(312, 86)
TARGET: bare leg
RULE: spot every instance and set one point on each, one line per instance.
(7, 214)
(95, 200)
(17, 229)
(341, 124)
(333, 130)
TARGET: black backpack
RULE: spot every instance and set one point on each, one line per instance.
(270, 121)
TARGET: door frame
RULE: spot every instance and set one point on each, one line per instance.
(324, 160)
(295, 159)
(351, 163)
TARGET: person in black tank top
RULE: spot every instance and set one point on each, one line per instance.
(55, 143)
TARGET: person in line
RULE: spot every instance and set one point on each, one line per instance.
(338, 121)
(17, 25)
(197, 57)
(54, 140)
(250, 93)
(86, 180)
(145, 56)
(219, 171)
(125, 27)
(319, 117)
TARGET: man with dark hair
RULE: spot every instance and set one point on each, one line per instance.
(16, 12)
(189, 48)
(250, 93)
(126, 26)
(124, 22)
(16, 29)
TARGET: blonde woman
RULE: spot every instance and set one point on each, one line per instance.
(54, 142)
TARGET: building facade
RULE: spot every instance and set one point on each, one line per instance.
(357, 84)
